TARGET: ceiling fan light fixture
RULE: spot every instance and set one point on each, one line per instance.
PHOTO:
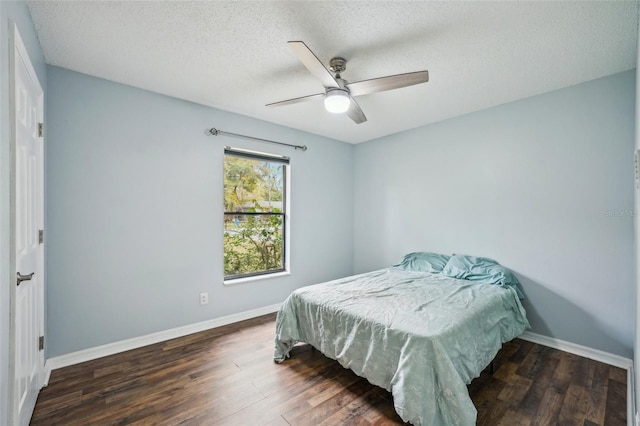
(337, 101)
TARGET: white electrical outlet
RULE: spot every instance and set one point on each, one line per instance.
(204, 298)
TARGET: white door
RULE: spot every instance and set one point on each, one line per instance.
(27, 219)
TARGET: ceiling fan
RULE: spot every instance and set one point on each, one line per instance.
(339, 93)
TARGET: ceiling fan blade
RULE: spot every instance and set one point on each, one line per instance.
(296, 100)
(313, 64)
(390, 82)
(355, 112)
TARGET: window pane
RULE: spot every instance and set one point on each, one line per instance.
(253, 244)
(253, 185)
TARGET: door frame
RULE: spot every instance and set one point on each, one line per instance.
(18, 51)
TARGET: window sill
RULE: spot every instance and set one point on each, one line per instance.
(256, 278)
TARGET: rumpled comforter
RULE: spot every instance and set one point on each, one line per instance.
(421, 336)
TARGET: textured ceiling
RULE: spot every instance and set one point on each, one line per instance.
(233, 55)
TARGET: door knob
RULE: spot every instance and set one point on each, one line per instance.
(24, 277)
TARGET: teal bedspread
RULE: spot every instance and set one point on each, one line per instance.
(421, 336)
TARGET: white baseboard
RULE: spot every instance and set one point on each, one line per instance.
(149, 339)
(594, 354)
(583, 351)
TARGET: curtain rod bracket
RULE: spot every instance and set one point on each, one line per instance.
(215, 132)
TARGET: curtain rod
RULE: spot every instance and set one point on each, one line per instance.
(215, 132)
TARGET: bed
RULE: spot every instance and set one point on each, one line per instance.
(421, 335)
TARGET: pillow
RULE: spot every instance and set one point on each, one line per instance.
(482, 270)
(423, 262)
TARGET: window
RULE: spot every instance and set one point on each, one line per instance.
(254, 213)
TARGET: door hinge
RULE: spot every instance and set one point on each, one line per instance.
(41, 236)
(40, 129)
(41, 343)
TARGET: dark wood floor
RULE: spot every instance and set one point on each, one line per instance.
(226, 376)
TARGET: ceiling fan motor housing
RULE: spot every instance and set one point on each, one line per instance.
(337, 65)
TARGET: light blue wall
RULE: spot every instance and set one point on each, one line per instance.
(19, 13)
(135, 212)
(544, 185)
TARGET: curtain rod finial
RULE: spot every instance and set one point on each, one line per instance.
(213, 131)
